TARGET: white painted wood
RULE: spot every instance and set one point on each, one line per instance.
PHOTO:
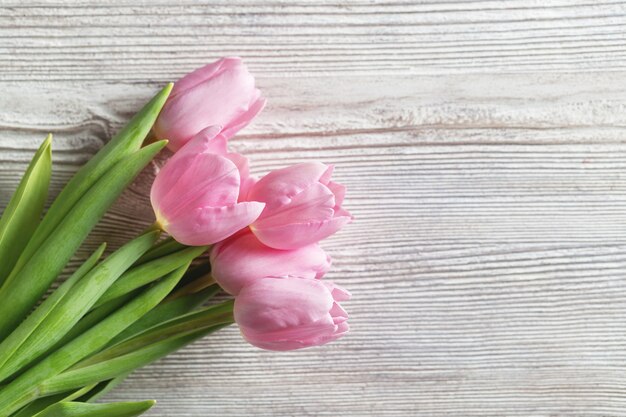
(483, 144)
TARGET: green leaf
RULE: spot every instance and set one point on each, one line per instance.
(166, 311)
(165, 247)
(38, 405)
(179, 326)
(102, 389)
(24, 389)
(94, 317)
(146, 273)
(22, 215)
(42, 403)
(79, 300)
(10, 345)
(123, 364)
(76, 409)
(22, 290)
(122, 145)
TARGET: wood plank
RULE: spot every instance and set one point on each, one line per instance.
(486, 260)
(483, 146)
(130, 40)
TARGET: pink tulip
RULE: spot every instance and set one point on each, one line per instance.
(218, 94)
(291, 313)
(195, 195)
(302, 206)
(242, 260)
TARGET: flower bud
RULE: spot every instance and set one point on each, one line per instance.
(291, 313)
(195, 195)
(242, 260)
(302, 206)
(218, 94)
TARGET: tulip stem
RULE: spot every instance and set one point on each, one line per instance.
(197, 285)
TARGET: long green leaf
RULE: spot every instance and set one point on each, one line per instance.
(165, 247)
(196, 272)
(146, 273)
(168, 310)
(24, 390)
(21, 291)
(122, 364)
(77, 302)
(76, 409)
(38, 405)
(10, 345)
(42, 403)
(179, 326)
(22, 214)
(94, 317)
(125, 143)
(102, 388)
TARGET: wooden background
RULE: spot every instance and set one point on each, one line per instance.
(484, 147)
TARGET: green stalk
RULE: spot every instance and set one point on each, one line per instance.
(24, 389)
(92, 318)
(102, 389)
(196, 272)
(22, 290)
(146, 273)
(79, 300)
(121, 146)
(32, 322)
(43, 403)
(165, 247)
(76, 409)
(189, 323)
(122, 364)
(22, 214)
(166, 311)
(141, 350)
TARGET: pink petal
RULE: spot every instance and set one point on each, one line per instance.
(289, 313)
(314, 203)
(246, 182)
(256, 106)
(339, 191)
(313, 334)
(207, 140)
(342, 329)
(338, 293)
(243, 259)
(281, 185)
(274, 304)
(190, 181)
(338, 314)
(215, 101)
(325, 178)
(295, 235)
(204, 73)
(208, 225)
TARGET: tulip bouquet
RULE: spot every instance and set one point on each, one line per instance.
(153, 295)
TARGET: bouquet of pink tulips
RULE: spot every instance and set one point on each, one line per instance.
(145, 300)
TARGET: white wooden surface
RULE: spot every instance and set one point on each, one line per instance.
(484, 147)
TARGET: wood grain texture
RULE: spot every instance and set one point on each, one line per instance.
(484, 148)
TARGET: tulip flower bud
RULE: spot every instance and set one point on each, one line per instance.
(302, 206)
(291, 313)
(195, 195)
(242, 259)
(218, 94)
